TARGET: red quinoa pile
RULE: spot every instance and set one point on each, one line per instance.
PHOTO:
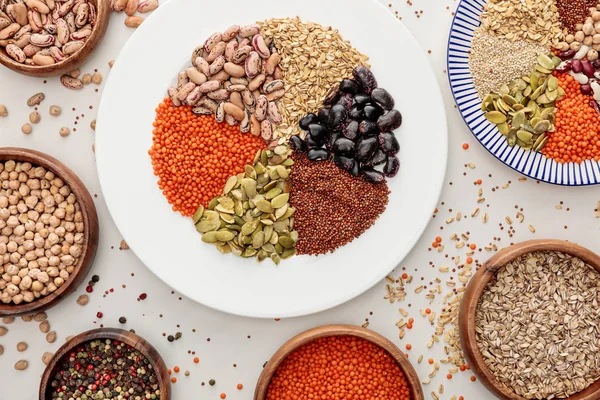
(332, 206)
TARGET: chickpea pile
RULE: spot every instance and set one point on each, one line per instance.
(41, 232)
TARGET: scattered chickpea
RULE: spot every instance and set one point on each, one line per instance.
(51, 337)
(21, 365)
(46, 357)
(21, 346)
(64, 131)
(3, 331)
(44, 326)
(35, 117)
(55, 111)
(83, 300)
(93, 125)
(1, 349)
(86, 79)
(26, 129)
(75, 73)
(3, 111)
(111, 63)
(97, 78)
(8, 320)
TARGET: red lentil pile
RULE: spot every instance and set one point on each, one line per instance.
(193, 156)
(332, 206)
(573, 12)
(336, 368)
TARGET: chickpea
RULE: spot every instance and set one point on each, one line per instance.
(35, 117)
(26, 129)
(575, 46)
(3, 111)
(588, 28)
(592, 55)
(587, 41)
(579, 36)
(55, 111)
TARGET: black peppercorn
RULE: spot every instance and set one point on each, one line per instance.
(211, 382)
(170, 338)
(95, 278)
(122, 320)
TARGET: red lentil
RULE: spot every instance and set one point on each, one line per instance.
(465, 146)
(193, 156)
(196, 360)
(176, 369)
(223, 396)
(240, 386)
(332, 206)
(336, 368)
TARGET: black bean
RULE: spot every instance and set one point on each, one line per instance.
(389, 121)
(363, 99)
(318, 154)
(324, 115)
(349, 86)
(355, 170)
(365, 148)
(351, 131)
(373, 112)
(391, 166)
(343, 146)
(297, 143)
(357, 112)
(331, 140)
(312, 142)
(365, 78)
(383, 98)
(372, 175)
(367, 128)
(378, 158)
(307, 120)
(346, 101)
(345, 163)
(316, 130)
(332, 96)
(337, 117)
(388, 143)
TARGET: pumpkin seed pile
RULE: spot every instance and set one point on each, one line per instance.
(253, 217)
(524, 109)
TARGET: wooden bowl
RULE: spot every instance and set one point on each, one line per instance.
(337, 330)
(76, 59)
(475, 289)
(121, 335)
(90, 220)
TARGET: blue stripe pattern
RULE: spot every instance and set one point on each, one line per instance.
(533, 165)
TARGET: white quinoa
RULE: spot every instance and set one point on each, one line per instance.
(494, 62)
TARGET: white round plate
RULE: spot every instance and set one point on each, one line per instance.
(169, 244)
(532, 164)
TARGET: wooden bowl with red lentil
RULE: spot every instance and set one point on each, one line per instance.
(475, 291)
(334, 341)
(136, 345)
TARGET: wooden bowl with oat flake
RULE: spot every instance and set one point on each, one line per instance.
(492, 271)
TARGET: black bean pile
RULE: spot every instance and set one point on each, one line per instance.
(355, 130)
(104, 369)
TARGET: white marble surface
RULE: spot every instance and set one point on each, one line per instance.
(229, 343)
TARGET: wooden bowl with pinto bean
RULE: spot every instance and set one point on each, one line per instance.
(414, 384)
(59, 243)
(50, 37)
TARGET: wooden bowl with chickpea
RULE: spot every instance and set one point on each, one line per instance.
(48, 231)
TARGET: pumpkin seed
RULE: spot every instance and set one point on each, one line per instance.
(198, 214)
(545, 62)
(224, 248)
(503, 128)
(280, 200)
(224, 236)
(496, 117)
(222, 209)
(250, 226)
(227, 218)
(282, 211)
(213, 203)
(276, 259)
(287, 253)
(511, 138)
(540, 143)
(207, 226)
(264, 206)
(541, 126)
(261, 255)
(286, 242)
(230, 184)
(210, 237)
(524, 136)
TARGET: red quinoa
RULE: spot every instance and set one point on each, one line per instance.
(332, 206)
(573, 12)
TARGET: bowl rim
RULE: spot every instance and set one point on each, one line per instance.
(91, 229)
(70, 63)
(475, 289)
(310, 335)
(127, 337)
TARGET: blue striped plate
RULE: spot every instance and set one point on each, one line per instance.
(533, 165)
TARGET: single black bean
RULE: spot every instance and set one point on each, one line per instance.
(337, 117)
(318, 154)
(331, 140)
(345, 163)
(343, 146)
(373, 112)
(365, 78)
(357, 112)
(316, 130)
(332, 96)
(349, 86)
(355, 169)
(307, 120)
(351, 131)
(388, 143)
(346, 101)
(324, 115)
(372, 175)
(391, 166)
(365, 148)
(367, 127)
(389, 121)
(297, 143)
(363, 99)
(383, 98)
(378, 158)
(312, 142)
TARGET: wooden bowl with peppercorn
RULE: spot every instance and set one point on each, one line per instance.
(76, 34)
(48, 231)
(386, 352)
(147, 373)
(474, 328)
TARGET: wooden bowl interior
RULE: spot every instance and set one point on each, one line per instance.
(337, 330)
(126, 337)
(76, 59)
(474, 291)
(90, 220)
